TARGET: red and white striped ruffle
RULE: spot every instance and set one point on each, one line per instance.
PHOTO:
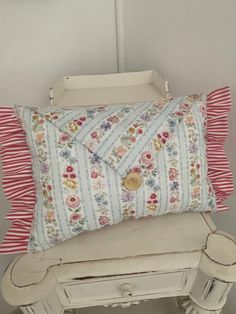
(218, 106)
(18, 182)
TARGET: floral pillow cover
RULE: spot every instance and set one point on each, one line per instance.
(67, 171)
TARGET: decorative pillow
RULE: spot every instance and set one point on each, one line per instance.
(97, 166)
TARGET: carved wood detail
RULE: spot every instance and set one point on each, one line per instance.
(187, 306)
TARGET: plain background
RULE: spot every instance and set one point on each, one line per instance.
(192, 43)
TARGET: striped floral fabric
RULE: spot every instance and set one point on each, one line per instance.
(72, 170)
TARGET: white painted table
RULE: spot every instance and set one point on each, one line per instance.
(176, 255)
(181, 255)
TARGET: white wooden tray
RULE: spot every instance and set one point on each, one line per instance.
(108, 89)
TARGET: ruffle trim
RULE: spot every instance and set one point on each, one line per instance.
(218, 105)
(18, 182)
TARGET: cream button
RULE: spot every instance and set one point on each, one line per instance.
(132, 181)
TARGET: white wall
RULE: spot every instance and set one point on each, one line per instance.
(193, 44)
(43, 40)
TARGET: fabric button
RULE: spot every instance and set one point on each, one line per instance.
(132, 181)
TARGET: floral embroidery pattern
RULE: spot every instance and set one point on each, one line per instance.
(76, 220)
(102, 204)
(129, 212)
(169, 127)
(73, 201)
(101, 130)
(196, 165)
(133, 133)
(103, 210)
(104, 220)
(76, 124)
(151, 182)
(128, 204)
(193, 157)
(46, 184)
(70, 179)
(105, 127)
(73, 127)
(70, 183)
(160, 140)
(152, 204)
(146, 163)
(99, 190)
(52, 116)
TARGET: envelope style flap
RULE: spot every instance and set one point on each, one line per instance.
(154, 128)
(118, 134)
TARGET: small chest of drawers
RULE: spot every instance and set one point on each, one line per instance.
(123, 289)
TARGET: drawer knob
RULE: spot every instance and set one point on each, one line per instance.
(126, 290)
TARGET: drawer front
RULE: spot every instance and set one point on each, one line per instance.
(125, 287)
